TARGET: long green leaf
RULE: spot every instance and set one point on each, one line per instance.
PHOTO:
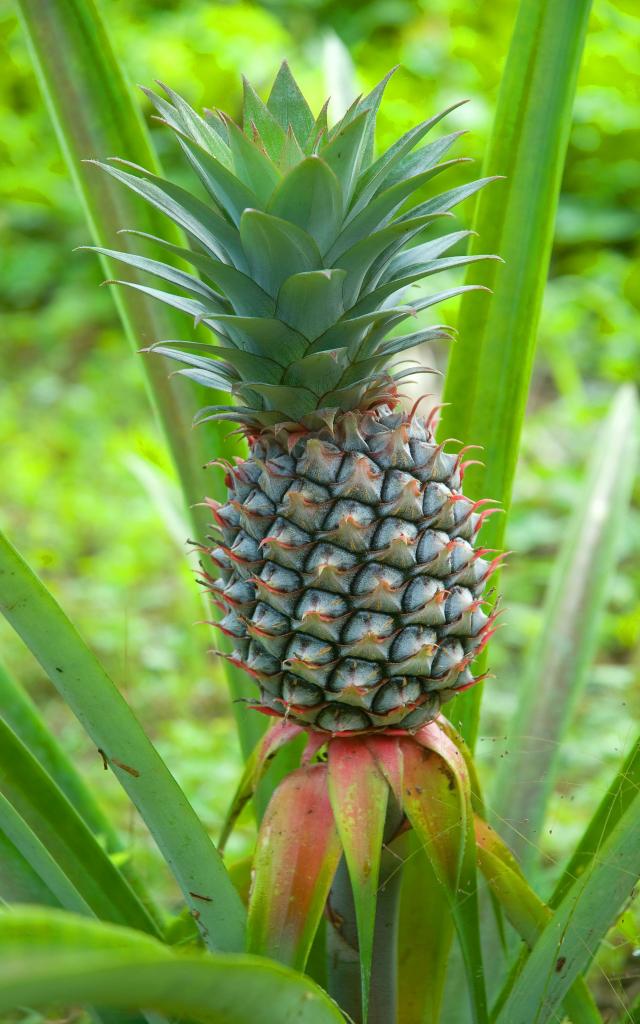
(526, 911)
(51, 958)
(28, 872)
(490, 367)
(560, 659)
(94, 116)
(59, 890)
(571, 938)
(21, 714)
(65, 835)
(82, 682)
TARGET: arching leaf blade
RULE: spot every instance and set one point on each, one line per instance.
(66, 837)
(571, 937)
(526, 911)
(39, 876)
(87, 689)
(621, 793)
(22, 716)
(50, 958)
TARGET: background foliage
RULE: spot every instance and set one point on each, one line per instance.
(82, 458)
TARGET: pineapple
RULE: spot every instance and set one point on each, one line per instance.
(345, 561)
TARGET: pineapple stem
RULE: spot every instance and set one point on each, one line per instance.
(343, 961)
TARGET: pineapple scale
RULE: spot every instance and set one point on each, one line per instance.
(348, 575)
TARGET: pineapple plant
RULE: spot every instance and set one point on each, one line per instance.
(344, 562)
(334, 456)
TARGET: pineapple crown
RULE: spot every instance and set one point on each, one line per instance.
(300, 251)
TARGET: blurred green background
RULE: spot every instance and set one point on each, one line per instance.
(87, 490)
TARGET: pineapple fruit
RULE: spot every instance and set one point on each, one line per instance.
(345, 561)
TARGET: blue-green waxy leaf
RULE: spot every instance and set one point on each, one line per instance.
(251, 164)
(292, 152)
(422, 159)
(233, 364)
(404, 342)
(359, 793)
(319, 372)
(390, 290)
(319, 130)
(217, 236)
(291, 402)
(224, 187)
(377, 213)
(370, 103)
(257, 116)
(388, 318)
(447, 200)
(198, 310)
(380, 172)
(263, 335)
(224, 373)
(288, 105)
(275, 249)
(361, 258)
(311, 197)
(51, 958)
(409, 260)
(350, 332)
(215, 379)
(312, 302)
(344, 152)
(246, 297)
(186, 121)
(166, 272)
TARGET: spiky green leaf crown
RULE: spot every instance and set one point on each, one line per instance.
(300, 250)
